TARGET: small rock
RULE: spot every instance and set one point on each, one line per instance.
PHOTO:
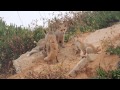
(92, 57)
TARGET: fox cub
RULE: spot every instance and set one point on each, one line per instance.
(84, 48)
(51, 47)
(60, 34)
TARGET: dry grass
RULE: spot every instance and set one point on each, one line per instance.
(49, 72)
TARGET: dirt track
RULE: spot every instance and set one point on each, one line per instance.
(67, 58)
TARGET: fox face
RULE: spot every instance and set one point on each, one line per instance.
(63, 29)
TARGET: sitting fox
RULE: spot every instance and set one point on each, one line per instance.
(84, 48)
(51, 47)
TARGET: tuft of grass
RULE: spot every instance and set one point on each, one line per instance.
(113, 51)
(101, 73)
(111, 74)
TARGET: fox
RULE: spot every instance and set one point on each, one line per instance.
(51, 47)
(60, 34)
(85, 48)
(41, 44)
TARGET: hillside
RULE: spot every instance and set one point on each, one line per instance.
(35, 67)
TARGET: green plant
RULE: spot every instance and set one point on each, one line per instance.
(113, 50)
(101, 73)
(15, 41)
(38, 33)
(111, 74)
(90, 21)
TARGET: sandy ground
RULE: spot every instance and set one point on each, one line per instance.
(67, 58)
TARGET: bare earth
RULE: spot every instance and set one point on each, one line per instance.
(67, 58)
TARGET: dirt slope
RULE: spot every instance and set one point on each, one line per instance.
(67, 58)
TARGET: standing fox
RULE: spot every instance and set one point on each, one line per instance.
(84, 48)
(60, 34)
